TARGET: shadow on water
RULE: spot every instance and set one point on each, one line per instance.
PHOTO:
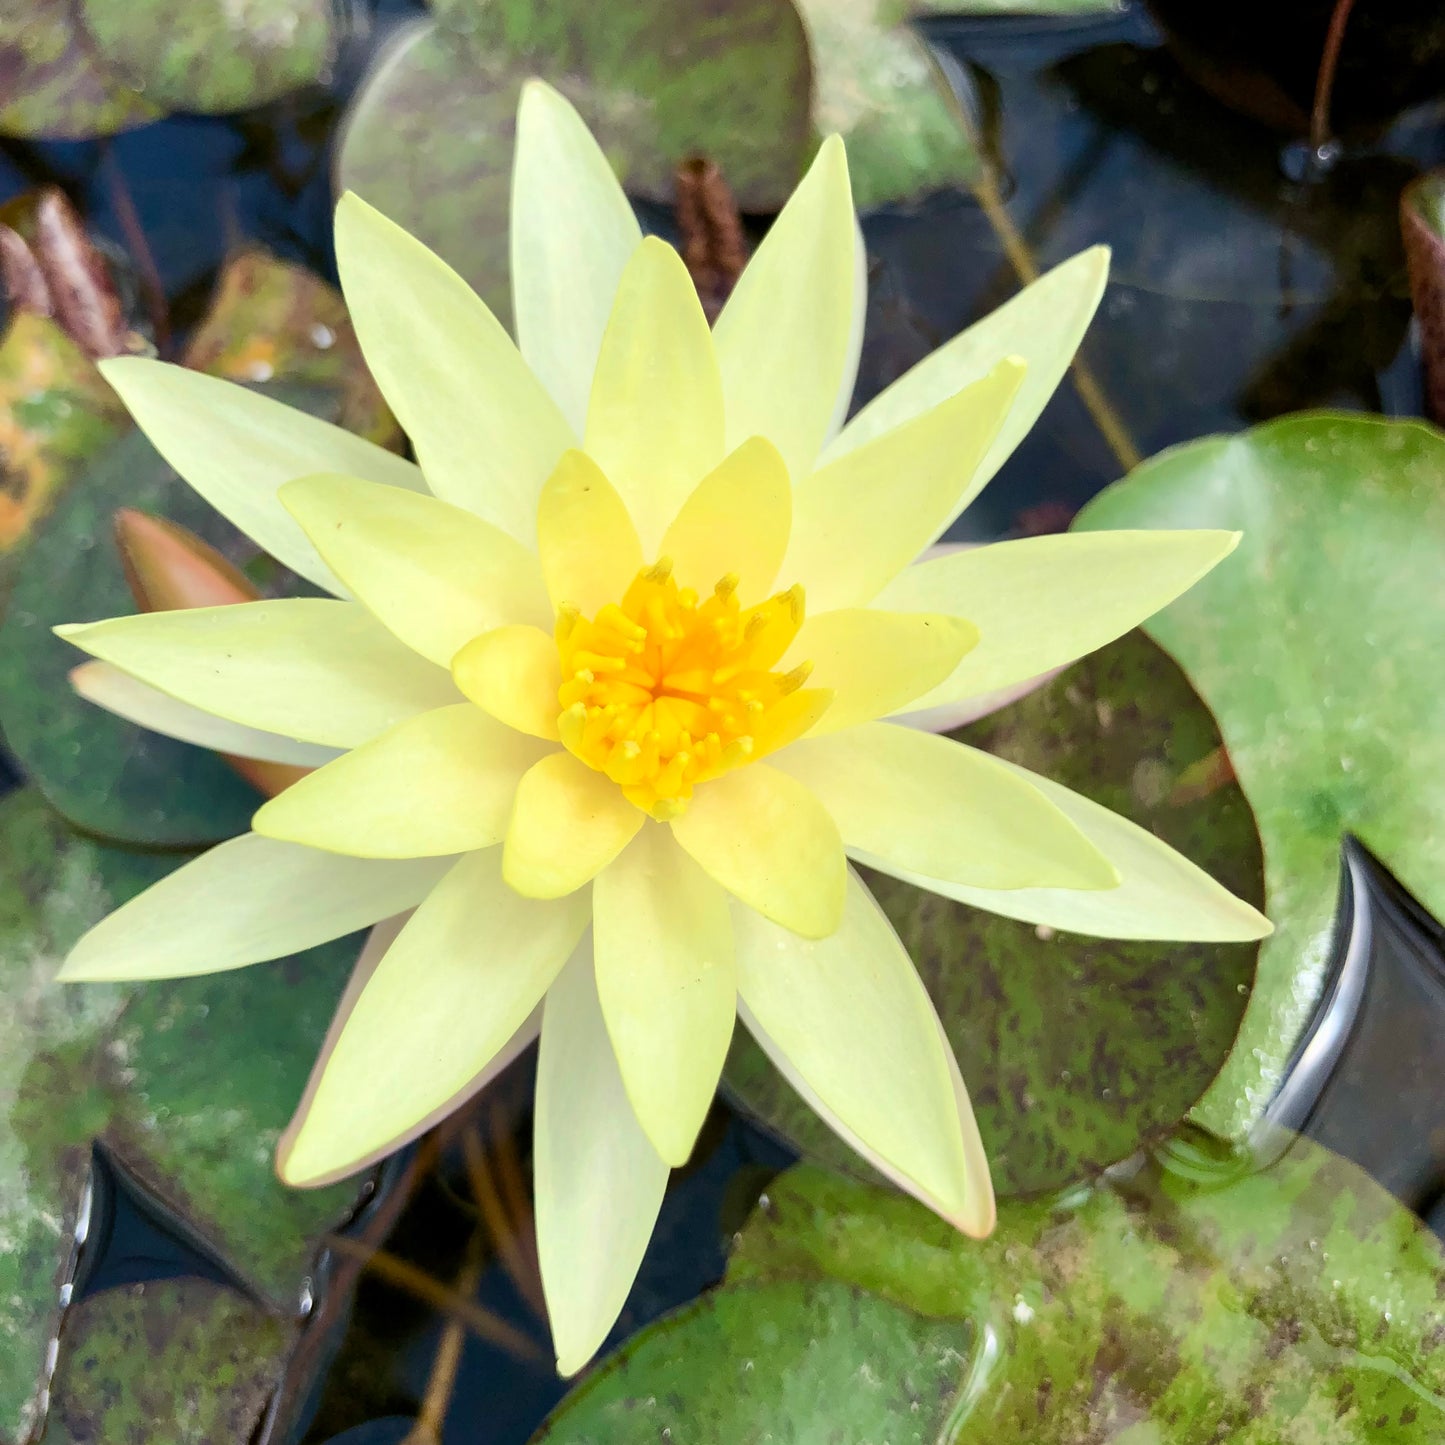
(1246, 284)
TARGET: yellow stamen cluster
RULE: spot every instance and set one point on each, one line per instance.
(663, 691)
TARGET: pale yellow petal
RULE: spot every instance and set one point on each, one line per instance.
(439, 783)
(572, 233)
(378, 942)
(1162, 894)
(322, 671)
(771, 843)
(598, 1182)
(137, 702)
(736, 521)
(589, 546)
(904, 799)
(785, 339)
(568, 823)
(462, 977)
(436, 575)
(857, 1028)
(1043, 325)
(242, 902)
(664, 948)
(486, 432)
(513, 674)
(655, 419)
(236, 448)
(859, 521)
(877, 662)
(1044, 601)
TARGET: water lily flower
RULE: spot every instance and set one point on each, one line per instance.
(601, 695)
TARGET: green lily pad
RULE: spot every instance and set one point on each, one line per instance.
(773, 1363)
(1320, 646)
(106, 775)
(56, 411)
(187, 1083)
(172, 1362)
(213, 58)
(55, 84)
(1294, 1306)
(1291, 1306)
(879, 86)
(429, 137)
(1077, 1051)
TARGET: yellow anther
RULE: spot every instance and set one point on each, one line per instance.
(661, 693)
(792, 681)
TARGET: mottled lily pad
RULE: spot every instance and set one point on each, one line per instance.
(777, 1362)
(1292, 1306)
(1320, 646)
(1077, 1051)
(1297, 1306)
(54, 82)
(880, 87)
(106, 775)
(171, 1362)
(272, 320)
(209, 57)
(429, 137)
(56, 411)
(187, 1084)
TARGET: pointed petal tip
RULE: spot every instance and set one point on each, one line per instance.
(113, 367)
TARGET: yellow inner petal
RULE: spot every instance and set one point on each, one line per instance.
(665, 690)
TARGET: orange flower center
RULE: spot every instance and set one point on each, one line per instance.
(662, 691)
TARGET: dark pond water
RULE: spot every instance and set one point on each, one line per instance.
(1249, 280)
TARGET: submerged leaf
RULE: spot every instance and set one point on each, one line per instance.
(270, 320)
(1319, 646)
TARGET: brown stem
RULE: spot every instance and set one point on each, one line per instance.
(431, 1418)
(336, 1299)
(153, 291)
(990, 199)
(1108, 421)
(405, 1275)
(514, 1187)
(507, 1231)
(1325, 80)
